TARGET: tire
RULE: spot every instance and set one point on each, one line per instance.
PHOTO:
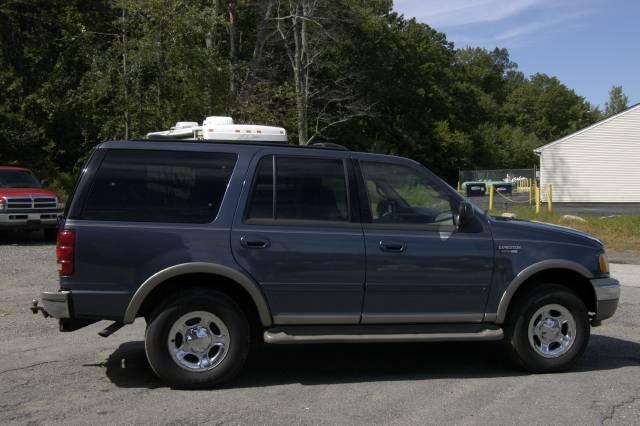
(544, 314)
(199, 339)
(50, 234)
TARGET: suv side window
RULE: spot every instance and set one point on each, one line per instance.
(159, 186)
(399, 194)
(305, 189)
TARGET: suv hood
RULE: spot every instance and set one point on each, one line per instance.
(25, 192)
(542, 231)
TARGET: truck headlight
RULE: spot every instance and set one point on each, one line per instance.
(3, 204)
(603, 261)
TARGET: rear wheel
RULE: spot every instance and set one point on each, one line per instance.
(197, 340)
(547, 329)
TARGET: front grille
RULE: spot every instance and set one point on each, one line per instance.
(45, 202)
(27, 203)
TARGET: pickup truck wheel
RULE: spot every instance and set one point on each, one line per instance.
(198, 340)
(548, 329)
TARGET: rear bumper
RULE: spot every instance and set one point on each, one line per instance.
(607, 297)
(57, 304)
(30, 220)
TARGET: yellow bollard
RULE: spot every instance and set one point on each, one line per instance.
(490, 197)
(458, 186)
(537, 199)
(530, 193)
(550, 197)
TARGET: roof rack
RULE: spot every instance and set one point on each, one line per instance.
(329, 145)
(318, 145)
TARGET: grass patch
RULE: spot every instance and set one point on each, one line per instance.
(619, 233)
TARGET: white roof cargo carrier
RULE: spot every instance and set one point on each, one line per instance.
(221, 129)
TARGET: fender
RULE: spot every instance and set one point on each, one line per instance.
(527, 273)
(199, 268)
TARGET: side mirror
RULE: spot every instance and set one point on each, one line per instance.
(44, 183)
(463, 216)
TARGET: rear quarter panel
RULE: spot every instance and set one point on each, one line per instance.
(112, 259)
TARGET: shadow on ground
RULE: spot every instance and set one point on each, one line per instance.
(330, 364)
(24, 238)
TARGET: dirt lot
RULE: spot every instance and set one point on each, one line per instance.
(81, 378)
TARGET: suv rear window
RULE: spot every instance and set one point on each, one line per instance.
(305, 189)
(159, 186)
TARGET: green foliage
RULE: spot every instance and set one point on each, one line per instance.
(617, 103)
(74, 73)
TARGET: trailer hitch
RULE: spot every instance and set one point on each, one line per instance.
(34, 308)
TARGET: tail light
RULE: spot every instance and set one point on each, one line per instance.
(65, 249)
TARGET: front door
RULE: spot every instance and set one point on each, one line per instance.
(420, 268)
(298, 235)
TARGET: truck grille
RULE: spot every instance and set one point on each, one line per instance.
(24, 203)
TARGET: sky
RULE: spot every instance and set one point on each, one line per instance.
(590, 45)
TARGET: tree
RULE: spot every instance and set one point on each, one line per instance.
(73, 73)
(617, 102)
(542, 105)
(312, 32)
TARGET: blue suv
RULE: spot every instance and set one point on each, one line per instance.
(222, 245)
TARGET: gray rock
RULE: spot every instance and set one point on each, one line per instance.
(572, 218)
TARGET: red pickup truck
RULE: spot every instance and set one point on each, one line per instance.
(25, 203)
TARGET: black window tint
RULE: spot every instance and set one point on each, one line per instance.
(311, 189)
(159, 186)
(261, 206)
(402, 195)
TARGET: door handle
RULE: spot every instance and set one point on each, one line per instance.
(393, 246)
(253, 242)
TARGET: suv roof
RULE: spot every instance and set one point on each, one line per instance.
(182, 142)
(207, 145)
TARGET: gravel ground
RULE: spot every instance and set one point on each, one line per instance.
(81, 378)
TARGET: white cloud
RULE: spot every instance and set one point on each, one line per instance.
(538, 25)
(451, 13)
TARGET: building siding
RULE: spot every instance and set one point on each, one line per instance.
(599, 164)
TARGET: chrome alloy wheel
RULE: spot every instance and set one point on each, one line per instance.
(198, 341)
(552, 331)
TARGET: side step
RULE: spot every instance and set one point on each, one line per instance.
(363, 334)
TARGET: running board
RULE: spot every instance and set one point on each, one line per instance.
(280, 337)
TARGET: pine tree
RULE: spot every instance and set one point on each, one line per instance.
(617, 102)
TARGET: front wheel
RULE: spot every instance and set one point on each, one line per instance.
(548, 329)
(197, 340)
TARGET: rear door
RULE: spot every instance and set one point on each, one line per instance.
(297, 232)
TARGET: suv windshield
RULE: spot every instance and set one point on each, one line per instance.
(18, 179)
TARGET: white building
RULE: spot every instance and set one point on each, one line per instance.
(598, 164)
